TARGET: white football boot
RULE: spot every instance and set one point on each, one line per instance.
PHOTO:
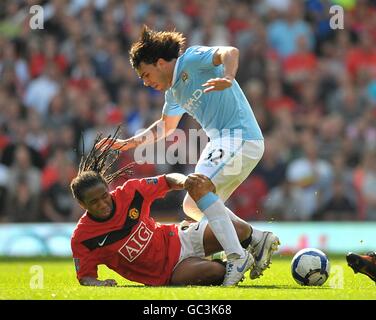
(235, 268)
(262, 253)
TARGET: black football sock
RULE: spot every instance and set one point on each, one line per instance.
(245, 243)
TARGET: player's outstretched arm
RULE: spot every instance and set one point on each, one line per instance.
(229, 57)
(158, 130)
(87, 281)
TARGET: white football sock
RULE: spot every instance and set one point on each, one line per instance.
(191, 210)
(220, 223)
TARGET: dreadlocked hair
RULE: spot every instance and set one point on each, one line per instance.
(95, 167)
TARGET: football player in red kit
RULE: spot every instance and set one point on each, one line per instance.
(116, 230)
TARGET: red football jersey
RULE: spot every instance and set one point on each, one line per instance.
(130, 242)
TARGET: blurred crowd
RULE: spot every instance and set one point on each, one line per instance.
(312, 89)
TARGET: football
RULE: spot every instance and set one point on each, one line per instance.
(310, 267)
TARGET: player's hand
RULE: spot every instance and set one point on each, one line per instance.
(118, 144)
(88, 281)
(109, 283)
(217, 84)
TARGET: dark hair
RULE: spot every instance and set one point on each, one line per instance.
(94, 168)
(153, 45)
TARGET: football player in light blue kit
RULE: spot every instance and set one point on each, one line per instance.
(201, 81)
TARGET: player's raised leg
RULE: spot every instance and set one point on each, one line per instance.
(239, 260)
(228, 163)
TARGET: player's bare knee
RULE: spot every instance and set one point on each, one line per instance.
(197, 191)
(198, 188)
(197, 194)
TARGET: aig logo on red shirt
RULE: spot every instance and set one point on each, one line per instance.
(136, 243)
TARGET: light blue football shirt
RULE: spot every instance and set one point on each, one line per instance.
(219, 113)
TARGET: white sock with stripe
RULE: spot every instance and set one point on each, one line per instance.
(220, 223)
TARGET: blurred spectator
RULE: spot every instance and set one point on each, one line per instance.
(309, 110)
(22, 203)
(310, 174)
(67, 142)
(255, 92)
(338, 207)
(12, 58)
(277, 100)
(363, 57)
(4, 172)
(211, 30)
(247, 199)
(58, 203)
(285, 202)
(19, 130)
(272, 167)
(347, 101)
(298, 65)
(57, 115)
(41, 57)
(23, 171)
(328, 143)
(344, 174)
(40, 91)
(11, 24)
(278, 5)
(364, 129)
(365, 183)
(36, 135)
(284, 33)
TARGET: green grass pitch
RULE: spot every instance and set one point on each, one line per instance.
(20, 280)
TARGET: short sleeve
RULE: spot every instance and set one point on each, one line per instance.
(170, 107)
(201, 57)
(151, 188)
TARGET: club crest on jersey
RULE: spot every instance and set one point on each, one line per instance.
(184, 76)
(136, 243)
(133, 214)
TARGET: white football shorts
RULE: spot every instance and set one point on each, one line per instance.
(192, 240)
(228, 162)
